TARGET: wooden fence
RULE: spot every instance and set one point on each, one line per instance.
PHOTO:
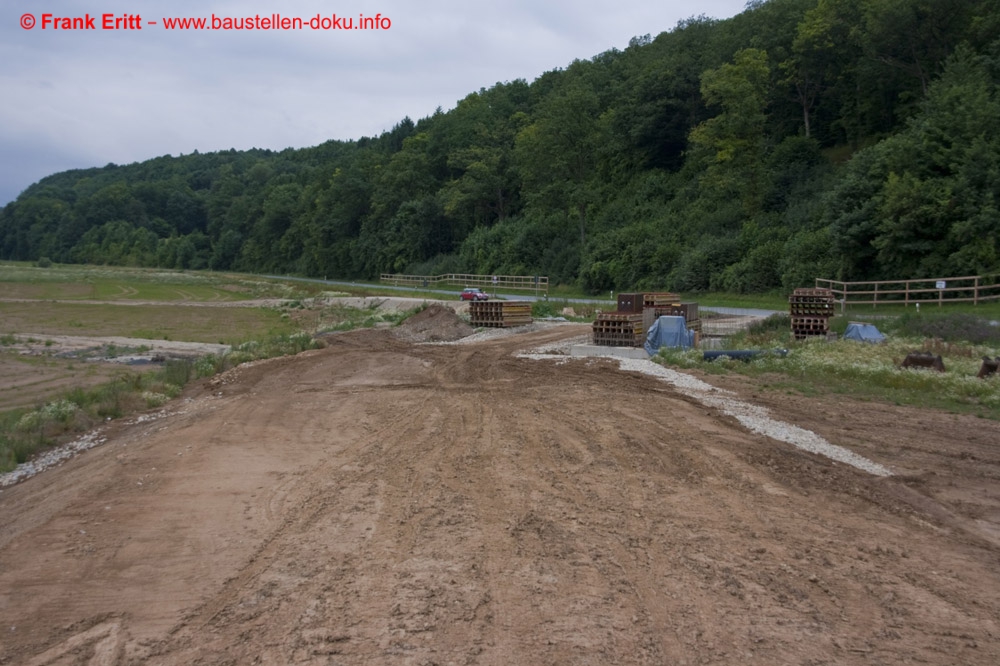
(536, 283)
(973, 289)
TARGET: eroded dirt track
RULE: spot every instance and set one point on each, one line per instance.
(379, 502)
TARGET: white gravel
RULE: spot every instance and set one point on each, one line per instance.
(64, 452)
(754, 418)
(51, 458)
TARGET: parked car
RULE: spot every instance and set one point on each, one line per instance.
(474, 294)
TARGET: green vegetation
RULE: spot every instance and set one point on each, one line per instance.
(871, 371)
(556, 308)
(154, 322)
(340, 318)
(844, 139)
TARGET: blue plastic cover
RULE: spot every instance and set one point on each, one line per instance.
(863, 332)
(668, 332)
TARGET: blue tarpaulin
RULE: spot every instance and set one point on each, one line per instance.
(668, 332)
(863, 332)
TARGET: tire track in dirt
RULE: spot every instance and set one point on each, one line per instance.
(386, 503)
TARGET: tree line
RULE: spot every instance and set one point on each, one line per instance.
(852, 139)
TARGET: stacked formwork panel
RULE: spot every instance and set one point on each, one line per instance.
(499, 314)
(811, 310)
(630, 303)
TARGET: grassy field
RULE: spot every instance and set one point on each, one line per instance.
(71, 282)
(230, 325)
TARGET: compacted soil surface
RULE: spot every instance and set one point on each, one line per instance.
(385, 501)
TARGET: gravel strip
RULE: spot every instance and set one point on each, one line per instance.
(51, 459)
(64, 452)
(754, 418)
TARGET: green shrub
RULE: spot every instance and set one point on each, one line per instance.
(206, 366)
(154, 399)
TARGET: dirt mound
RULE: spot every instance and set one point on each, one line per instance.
(437, 323)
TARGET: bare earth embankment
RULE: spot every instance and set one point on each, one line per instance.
(386, 502)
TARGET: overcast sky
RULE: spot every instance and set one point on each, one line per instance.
(84, 98)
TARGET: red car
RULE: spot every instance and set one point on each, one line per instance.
(473, 294)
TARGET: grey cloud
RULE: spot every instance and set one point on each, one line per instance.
(86, 99)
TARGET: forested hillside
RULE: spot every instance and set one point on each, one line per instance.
(802, 138)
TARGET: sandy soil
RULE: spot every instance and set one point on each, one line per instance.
(386, 502)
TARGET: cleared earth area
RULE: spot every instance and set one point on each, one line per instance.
(381, 501)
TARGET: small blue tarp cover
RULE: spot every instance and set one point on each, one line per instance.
(668, 332)
(863, 332)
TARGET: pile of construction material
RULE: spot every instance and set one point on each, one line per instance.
(636, 312)
(499, 314)
(619, 329)
(670, 305)
(811, 310)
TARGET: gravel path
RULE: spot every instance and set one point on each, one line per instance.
(754, 418)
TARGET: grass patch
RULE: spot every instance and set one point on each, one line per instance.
(949, 327)
(555, 308)
(771, 301)
(79, 282)
(338, 318)
(987, 310)
(153, 322)
(864, 370)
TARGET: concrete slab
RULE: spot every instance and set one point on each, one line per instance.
(617, 352)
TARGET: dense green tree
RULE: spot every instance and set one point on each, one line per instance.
(733, 144)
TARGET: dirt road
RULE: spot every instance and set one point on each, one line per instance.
(383, 502)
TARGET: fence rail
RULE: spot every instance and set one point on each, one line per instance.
(973, 289)
(534, 283)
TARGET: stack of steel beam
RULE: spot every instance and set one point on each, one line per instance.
(499, 314)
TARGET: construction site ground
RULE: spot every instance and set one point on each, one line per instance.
(387, 501)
